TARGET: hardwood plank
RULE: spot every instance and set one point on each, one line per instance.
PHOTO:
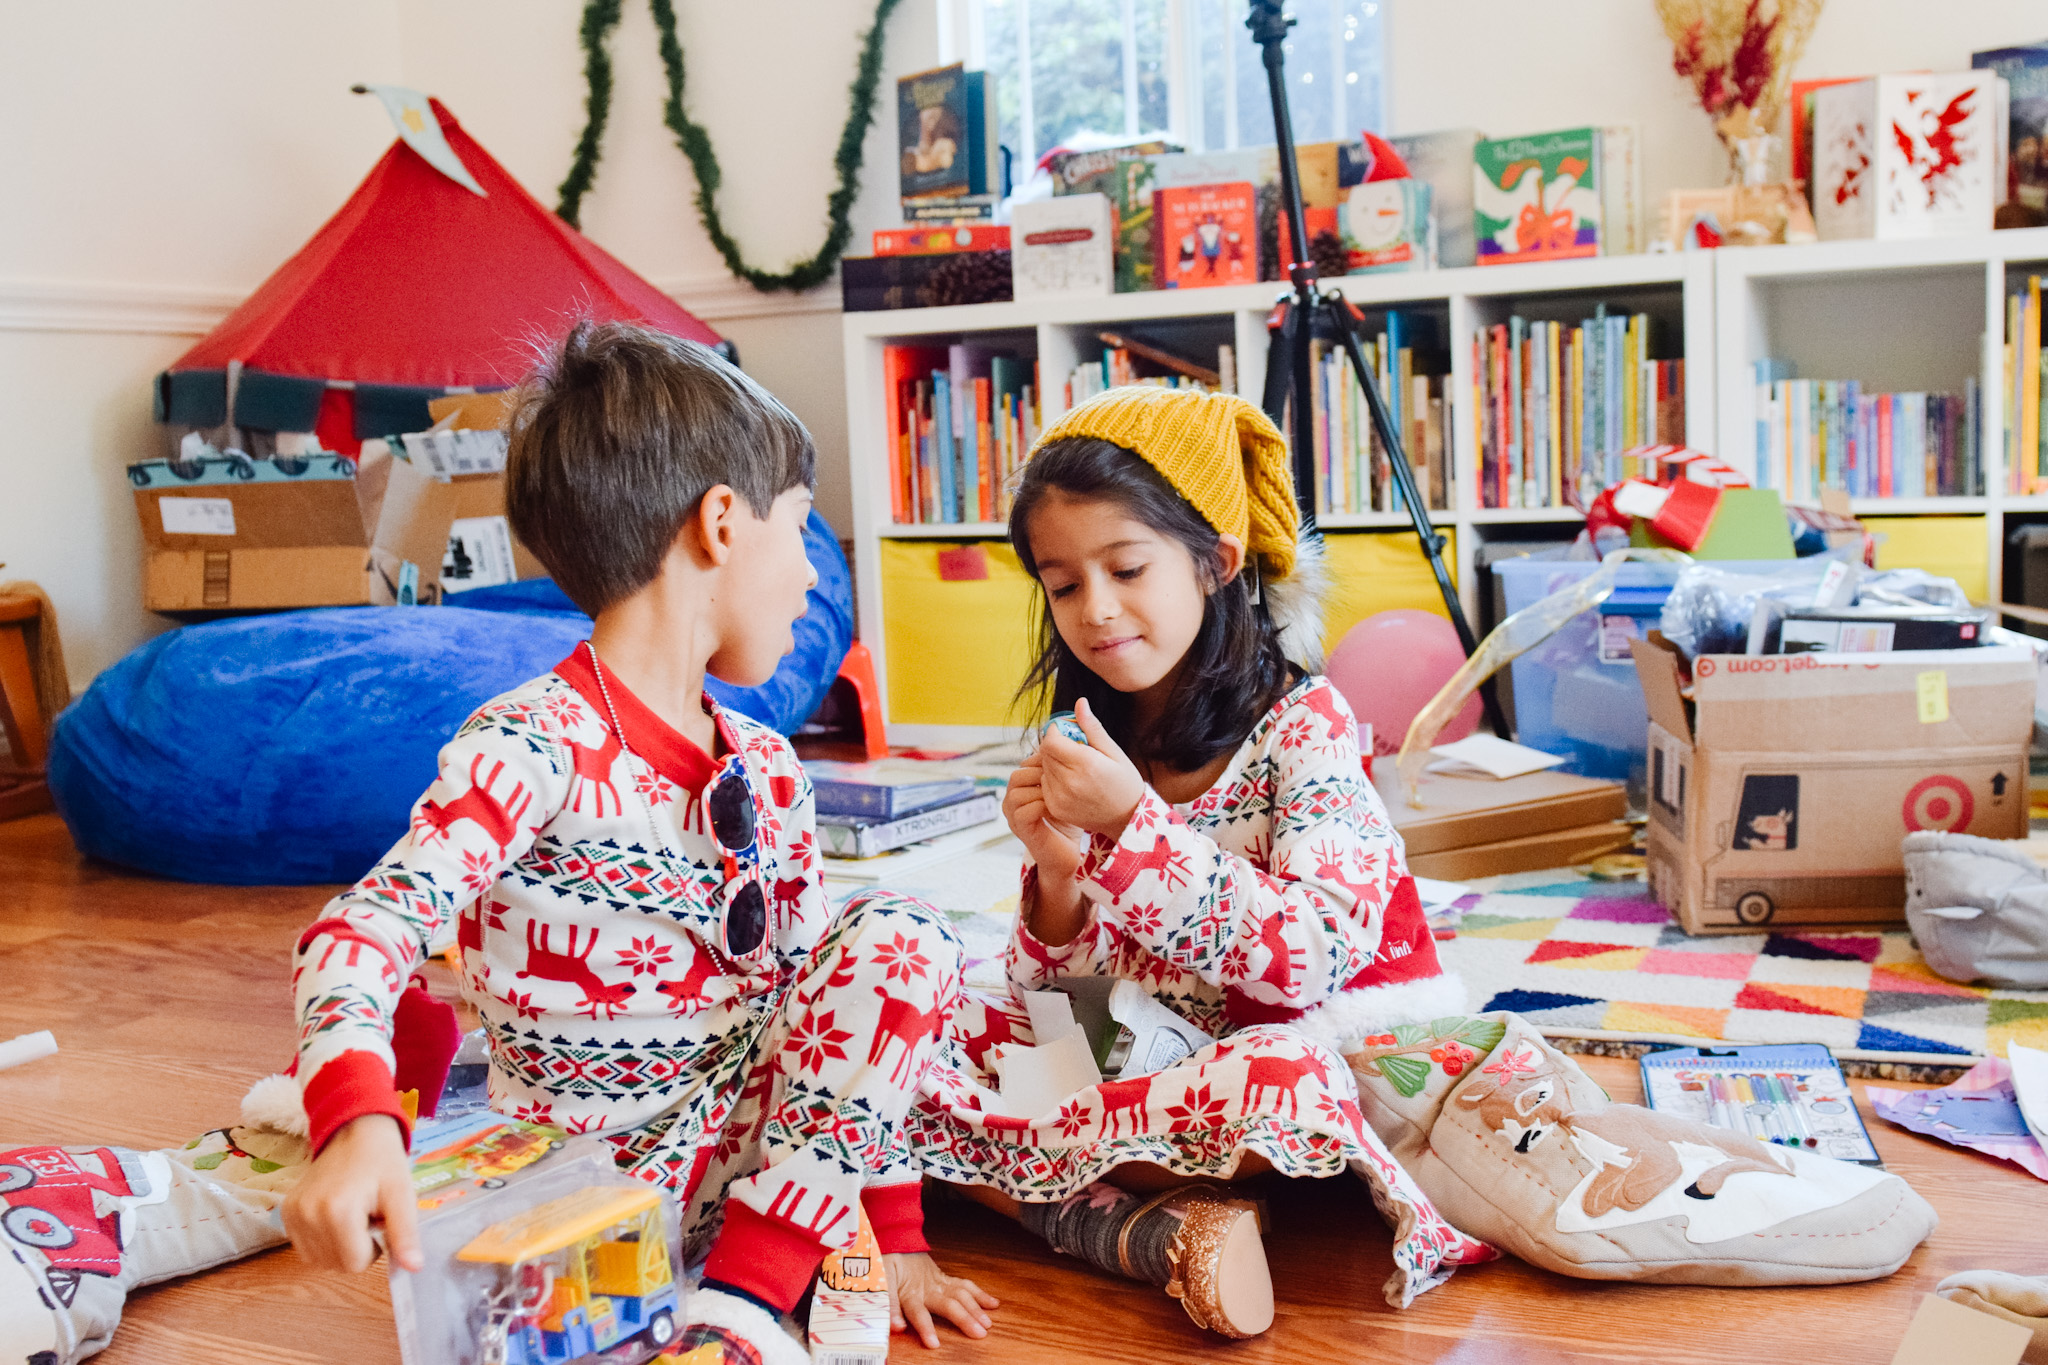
(169, 1000)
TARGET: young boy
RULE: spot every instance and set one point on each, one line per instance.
(631, 875)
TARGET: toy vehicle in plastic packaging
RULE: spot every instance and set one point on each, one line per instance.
(578, 1275)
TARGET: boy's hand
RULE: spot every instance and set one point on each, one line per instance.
(918, 1289)
(1091, 786)
(1056, 849)
(362, 1176)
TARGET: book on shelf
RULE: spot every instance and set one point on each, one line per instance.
(951, 209)
(860, 836)
(1204, 236)
(961, 419)
(1354, 471)
(2022, 191)
(1386, 225)
(1118, 368)
(1063, 246)
(1123, 175)
(1558, 403)
(946, 133)
(1815, 434)
(1444, 161)
(1905, 155)
(1799, 105)
(940, 239)
(2026, 436)
(870, 284)
(1537, 198)
(1621, 192)
(886, 789)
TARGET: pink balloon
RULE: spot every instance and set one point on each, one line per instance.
(1388, 667)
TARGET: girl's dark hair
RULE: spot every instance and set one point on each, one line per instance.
(1233, 672)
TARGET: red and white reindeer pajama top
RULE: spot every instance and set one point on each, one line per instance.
(1275, 911)
(577, 875)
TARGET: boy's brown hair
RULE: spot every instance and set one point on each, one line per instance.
(617, 436)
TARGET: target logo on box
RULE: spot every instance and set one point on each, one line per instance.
(1941, 803)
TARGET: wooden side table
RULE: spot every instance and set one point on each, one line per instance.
(22, 788)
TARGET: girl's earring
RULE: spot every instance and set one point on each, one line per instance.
(1257, 587)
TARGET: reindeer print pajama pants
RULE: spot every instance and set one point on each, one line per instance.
(1274, 911)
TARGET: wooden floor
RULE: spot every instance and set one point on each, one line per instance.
(168, 1000)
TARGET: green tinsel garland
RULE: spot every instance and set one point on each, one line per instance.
(600, 17)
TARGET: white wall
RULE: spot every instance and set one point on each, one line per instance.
(167, 157)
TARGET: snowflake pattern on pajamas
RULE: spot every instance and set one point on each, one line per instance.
(1281, 888)
(589, 944)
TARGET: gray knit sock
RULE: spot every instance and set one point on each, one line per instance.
(1090, 1222)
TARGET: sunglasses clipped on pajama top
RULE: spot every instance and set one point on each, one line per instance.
(735, 828)
(730, 804)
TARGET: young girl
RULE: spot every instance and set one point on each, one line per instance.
(1215, 841)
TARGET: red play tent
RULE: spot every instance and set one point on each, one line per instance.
(416, 287)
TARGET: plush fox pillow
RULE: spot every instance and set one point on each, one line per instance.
(1524, 1150)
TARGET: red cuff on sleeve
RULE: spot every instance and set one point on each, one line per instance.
(764, 1256)
(896, 1213)
(348, 1087)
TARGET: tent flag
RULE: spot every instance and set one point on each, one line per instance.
(416, 123)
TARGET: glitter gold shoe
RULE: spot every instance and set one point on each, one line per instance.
(1219, 1265)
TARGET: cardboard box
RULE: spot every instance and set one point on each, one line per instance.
(1472, 812)
(1780, 792)
(1531, 853)
(238, 534)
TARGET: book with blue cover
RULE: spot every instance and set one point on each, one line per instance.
(887, 789)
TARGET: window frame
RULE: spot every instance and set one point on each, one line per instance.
(962, 37)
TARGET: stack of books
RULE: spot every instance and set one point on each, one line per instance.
(868, 809)
(1827, 433)
(1559, 403)
(950, 249)
(961, 420)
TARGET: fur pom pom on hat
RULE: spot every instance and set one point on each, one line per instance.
(1218, 451)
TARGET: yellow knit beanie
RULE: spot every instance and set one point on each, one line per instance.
(1218, 451)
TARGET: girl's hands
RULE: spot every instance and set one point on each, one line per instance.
(1056, 849)
(1090, 786)
(362, 1176)
(918, 1289)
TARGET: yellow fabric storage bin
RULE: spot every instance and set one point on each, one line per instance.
(1954, 547)
(956, 650)
(1376, 571)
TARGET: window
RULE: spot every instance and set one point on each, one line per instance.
(1187, 68)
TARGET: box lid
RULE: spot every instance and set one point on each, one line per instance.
(1817, 703)
(1461, 811)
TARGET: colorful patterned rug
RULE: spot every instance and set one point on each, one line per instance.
(1602, 961)
(1587, 959)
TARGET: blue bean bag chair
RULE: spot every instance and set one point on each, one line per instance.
(290, 748)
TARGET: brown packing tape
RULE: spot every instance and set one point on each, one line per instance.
(255, 579)
(1812, 703)
(473, 411)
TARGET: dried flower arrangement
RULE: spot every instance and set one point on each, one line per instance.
(1738, 54)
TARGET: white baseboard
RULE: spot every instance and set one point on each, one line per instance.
(176, 310)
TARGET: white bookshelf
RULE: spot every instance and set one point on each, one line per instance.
(1909, 315)
(1919, 315)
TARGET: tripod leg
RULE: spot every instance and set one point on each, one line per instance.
(1418, 510)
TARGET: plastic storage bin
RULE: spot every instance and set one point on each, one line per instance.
(1576, 694)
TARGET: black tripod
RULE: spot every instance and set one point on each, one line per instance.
(1298, 321)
